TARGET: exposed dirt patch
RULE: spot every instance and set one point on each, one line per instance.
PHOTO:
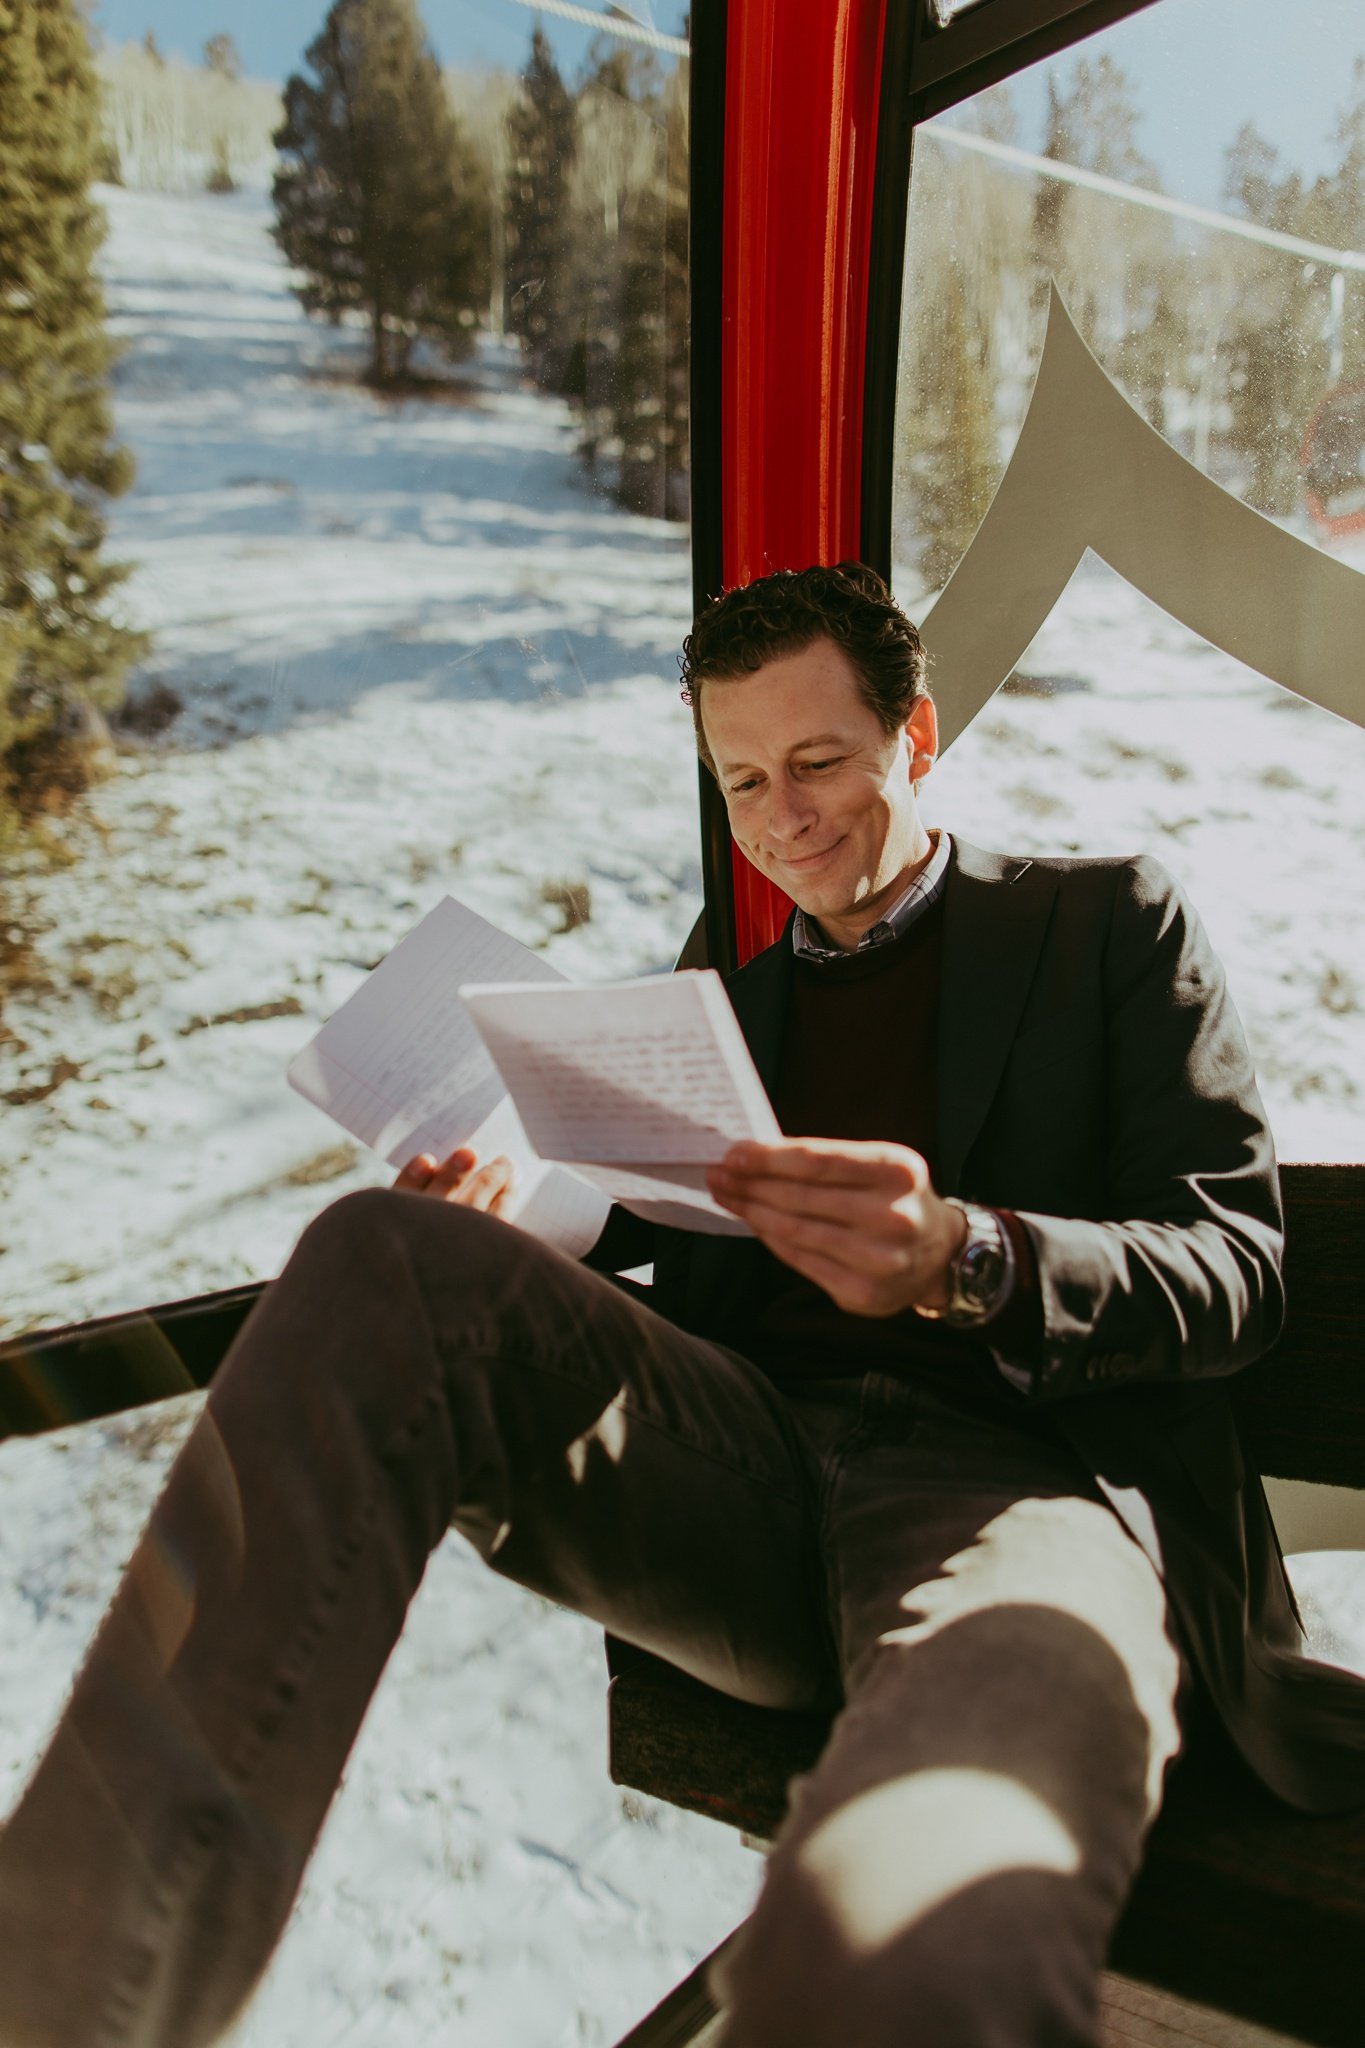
(251, 1013)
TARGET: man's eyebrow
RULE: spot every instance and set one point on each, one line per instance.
(819, 739)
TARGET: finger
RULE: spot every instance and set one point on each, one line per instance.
(452, 1172)
(837, 1162)
(853, 1250)
(418, 1171)
(724, 1188)
(489, 1187)
(853, 1208)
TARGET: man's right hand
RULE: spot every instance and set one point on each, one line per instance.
(460, 1178)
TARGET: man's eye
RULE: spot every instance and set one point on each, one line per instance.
(819, 766)
(743, 788)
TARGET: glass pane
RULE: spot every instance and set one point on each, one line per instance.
(409, 547)
(1194, 181)
(478, 1877)
(408, 635)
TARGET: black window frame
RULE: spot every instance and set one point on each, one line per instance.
(54, 1378)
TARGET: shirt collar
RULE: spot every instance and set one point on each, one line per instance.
(809, 942)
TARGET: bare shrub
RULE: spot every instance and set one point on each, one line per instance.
(573, 901)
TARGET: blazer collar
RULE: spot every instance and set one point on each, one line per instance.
(992, 933)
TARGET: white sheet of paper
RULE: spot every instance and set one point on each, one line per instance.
(650, 1074)
(402, 1066)
(660, 1200)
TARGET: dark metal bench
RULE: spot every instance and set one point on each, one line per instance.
(1242, 1904)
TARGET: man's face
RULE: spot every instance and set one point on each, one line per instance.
(820, 796)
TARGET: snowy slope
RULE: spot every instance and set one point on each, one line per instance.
(418, 656)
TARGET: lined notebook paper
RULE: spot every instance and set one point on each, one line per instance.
(651, 1072)
(401, 1065)
(635, 1086)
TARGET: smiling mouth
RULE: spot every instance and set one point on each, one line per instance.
(809, 860)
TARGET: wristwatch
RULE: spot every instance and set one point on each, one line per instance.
(979, 1273)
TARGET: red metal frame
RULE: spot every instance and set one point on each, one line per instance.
(802, 86)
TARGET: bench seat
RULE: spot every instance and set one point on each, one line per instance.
(1242, 1904)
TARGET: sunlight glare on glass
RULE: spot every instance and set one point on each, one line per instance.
(626, 26)
(945, 11)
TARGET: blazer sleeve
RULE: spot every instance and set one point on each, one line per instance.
(1185, 1281)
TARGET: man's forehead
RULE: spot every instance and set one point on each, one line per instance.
(778, 746)
(785, 705)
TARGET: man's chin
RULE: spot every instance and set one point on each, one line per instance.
(817, 889)
(823, 904)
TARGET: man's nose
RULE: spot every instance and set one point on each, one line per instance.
(790, 812)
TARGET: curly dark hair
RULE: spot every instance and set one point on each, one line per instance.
(787, 612)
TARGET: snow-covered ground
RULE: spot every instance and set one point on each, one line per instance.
(418, 656)
(479, 1878)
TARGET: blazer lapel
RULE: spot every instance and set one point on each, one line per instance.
(992, 935)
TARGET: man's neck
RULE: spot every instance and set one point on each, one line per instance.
(845, 930)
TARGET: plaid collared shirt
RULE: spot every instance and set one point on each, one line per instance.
(928, 885)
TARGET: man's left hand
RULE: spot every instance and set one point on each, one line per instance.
(862, 1220)
(460, 1179)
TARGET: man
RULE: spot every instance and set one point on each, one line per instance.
(945, 1445)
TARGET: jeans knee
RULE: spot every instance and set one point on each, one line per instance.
(785, 1982)
(345, 1228)
(971, 1974)
(403, 1267)
(371, 1227)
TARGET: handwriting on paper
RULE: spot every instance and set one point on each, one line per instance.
(641, 1072)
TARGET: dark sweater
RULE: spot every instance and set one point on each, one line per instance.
(860, 1060)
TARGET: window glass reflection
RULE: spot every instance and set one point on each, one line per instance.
(1205, 227)
(1194, 182)
(412, 557)
(408, 636)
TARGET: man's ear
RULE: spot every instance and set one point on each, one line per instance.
(921, 733)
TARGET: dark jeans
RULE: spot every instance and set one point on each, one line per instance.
(951, 1869)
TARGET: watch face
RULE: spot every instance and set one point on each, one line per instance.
(980, 1270)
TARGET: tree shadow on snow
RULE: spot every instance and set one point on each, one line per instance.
(236, 694)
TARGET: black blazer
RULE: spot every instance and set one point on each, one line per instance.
(1094, 1077)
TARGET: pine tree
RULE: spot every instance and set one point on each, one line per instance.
(649, 390)
(1276, 358)
(543, 136)
(1076, 238)
(954, 466)
(61, 651)
(1124, 276)
(378, 201)
(617, 317)
(1338, 218)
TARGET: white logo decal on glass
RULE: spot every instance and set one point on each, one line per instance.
(1088, 472)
